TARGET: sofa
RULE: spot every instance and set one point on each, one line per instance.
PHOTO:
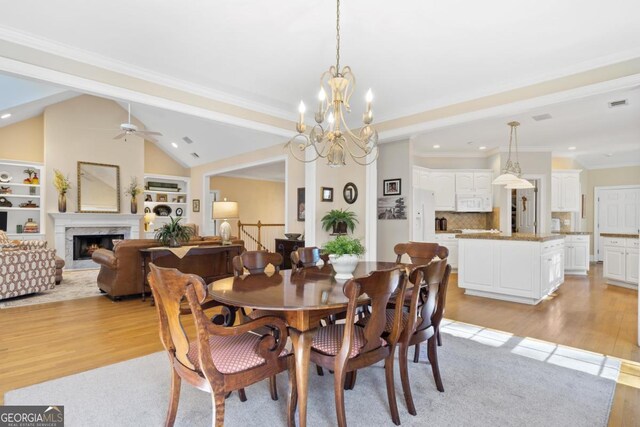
(26, 271)
(121, 268)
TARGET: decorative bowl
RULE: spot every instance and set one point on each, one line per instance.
(292, 236)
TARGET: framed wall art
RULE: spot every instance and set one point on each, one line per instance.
(350, 193)
(392, 187)
(326, 194)
(300, 203)
(195, 205)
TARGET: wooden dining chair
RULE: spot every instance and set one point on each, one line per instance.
(348, 347)
(307, 257)
(423, 321)
(256, 262)
(220, 359)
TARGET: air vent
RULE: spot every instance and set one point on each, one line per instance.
(195, 155)
(187, 140)
(541, 117)
(618, 103)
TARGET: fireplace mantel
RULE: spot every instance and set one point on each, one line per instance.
(65, 221)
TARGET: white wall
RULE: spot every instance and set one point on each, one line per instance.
(394, 162)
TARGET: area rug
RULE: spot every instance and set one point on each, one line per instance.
(74, 285)
(490, 379)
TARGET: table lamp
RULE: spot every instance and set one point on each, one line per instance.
(225, 210)
(149, 217)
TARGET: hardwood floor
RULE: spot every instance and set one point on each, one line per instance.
(40, 343)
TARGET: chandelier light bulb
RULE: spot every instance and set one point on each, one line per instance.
(369, 96)
(331, 119)
(322, 95)
(302, 108)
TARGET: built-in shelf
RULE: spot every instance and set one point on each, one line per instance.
(15, 184)
(19, 209)
(164, 192)
(151, 204)
(25, 234)
(23, 196)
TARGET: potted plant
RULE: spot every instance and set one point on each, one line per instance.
(339, 220)
(344, 253)
(63, 185)
(172, 233)
(133, 190)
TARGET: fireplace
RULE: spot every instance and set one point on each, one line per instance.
(85, 245)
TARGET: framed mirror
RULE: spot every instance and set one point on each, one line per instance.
(98, 188)
(350, 193)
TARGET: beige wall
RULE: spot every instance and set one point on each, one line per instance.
(257, 200)
(69, 137)
(23, 140)
(451, 162)
(294, 172)
(394, 162)
(158, 162)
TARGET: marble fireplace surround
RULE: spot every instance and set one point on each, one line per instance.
(66, 225)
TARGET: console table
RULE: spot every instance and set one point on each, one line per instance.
(284, 247)
(215, 263)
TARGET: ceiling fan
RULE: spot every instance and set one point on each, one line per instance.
(131, 129)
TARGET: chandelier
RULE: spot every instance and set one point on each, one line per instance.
(334, 140)
(511, 176)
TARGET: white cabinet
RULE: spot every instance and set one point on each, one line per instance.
(519, 271)
(473, 182)
(621, 261)
(421, 179)
(165, 195)
(449, 241)
(444, 187)
(565, 191)
(576, 254)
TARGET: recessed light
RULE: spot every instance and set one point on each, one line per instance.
(572, 148)
(5, 116)
(609, 155)
(482, 147)
(436, 146)
(174, 145)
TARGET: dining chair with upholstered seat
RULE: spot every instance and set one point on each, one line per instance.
(348, 347)
(220, 359)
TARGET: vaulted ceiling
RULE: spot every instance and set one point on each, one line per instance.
(265, 56)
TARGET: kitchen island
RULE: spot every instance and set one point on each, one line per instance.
(516, 267)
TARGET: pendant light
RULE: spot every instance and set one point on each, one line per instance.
(511, 174)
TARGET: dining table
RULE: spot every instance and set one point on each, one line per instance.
(302, 297)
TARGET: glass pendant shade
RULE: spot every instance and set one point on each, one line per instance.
(520, 184)
(505, 178)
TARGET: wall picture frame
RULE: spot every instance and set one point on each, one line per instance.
(350, 193)
(392, 187)
(326, 194)
(161, 197)
(300, 205)
(195, 205)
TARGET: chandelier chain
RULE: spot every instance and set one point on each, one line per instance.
(338, 37)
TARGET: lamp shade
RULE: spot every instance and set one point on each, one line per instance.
(225, 210)
(149, 217)
(521, 184)
(505, 178)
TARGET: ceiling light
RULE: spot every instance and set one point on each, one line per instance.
(436, 146)
(572, 148)
(5, 116)
(511, 173)
(174, 145)
(482, 147)
(519, 184)
(609, 155)
(541, 117)
(337, 140)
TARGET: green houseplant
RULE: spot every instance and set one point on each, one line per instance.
(344, 253)
(172, 233)
(339, 220)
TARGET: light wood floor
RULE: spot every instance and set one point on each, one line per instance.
(40, 343)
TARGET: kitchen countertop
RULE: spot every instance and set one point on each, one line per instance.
(514, 236)
(620, 235)
(454, 231)
(573, 233)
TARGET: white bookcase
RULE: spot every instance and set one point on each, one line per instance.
(176, 200)
(19, 193)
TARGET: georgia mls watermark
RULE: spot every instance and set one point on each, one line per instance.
(31, 416)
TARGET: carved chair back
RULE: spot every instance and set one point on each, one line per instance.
(256, 262)
(427, 305)
(420, 253)
(380, 287)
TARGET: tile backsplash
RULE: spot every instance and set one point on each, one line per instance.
(459, 220)
(562, 216)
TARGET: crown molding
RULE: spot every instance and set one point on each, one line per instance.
(76, 54)
(612, 165)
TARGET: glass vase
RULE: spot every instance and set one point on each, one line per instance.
(62, 202)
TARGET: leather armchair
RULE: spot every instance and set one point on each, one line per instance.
(121, 269)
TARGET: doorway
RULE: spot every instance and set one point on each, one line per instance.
(524, 207)
(616, 210)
